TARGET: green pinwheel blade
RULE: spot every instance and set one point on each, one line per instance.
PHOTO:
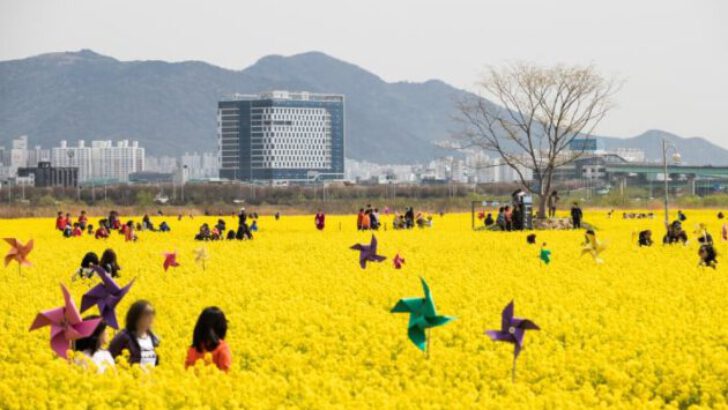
(418, 337)
(429, 303)
(439, 320)
(408, 305)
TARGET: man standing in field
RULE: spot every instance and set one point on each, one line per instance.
(576, 215)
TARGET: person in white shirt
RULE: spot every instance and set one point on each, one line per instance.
(137, 337)
(92, 347)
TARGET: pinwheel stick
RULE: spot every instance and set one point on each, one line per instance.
(427, 347)
(513, 370)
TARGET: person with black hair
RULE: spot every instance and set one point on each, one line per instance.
(230, 235)
(137, 337)
(576, 215)
(109, 264)
(645, 238)
(708, 256)
(92, 346)
(675, 234)
(86, 271)
(209, 338)
(243, 230)
(489, 219)
(531, 239)
(164, 227)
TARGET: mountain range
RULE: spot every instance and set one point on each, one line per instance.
(171, 107)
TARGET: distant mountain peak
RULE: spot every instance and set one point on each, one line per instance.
(170, 107)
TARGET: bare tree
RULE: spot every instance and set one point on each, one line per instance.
(535, 114)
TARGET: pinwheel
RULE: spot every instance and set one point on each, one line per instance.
(422, 317)
(18, 252)
(106, 296)
(170, 259)
(545, 254)
(724, 232)
(592, 246)
(368, 253)
(512, 331)
(66, 325)
(201, 256)
(398, 261)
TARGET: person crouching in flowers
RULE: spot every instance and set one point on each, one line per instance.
(708, 256)
(92, 347)
(209, 338)
(86, 271)
(137, 337)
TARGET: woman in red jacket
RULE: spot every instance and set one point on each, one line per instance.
(209, 338)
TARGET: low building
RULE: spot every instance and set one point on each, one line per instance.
(44, 175)
(150, 177)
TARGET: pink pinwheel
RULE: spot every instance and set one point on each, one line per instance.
(106, 296)
(512, 330)
(66, 324)
(368, 253)
(170, 259)
(18, 252)
(398, 261)
(724, 232)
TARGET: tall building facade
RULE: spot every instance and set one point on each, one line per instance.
(100, 161)
(281, 136)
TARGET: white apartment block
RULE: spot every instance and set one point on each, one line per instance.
(102, 160)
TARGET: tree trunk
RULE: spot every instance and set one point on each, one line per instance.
(542, 199)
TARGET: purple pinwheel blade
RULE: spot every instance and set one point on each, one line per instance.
(528, 324)
(498, 336)
(93, 296)
(507, 317)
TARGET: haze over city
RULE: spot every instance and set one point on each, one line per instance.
(671, 55)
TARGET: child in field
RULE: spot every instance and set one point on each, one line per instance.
(108, 263)
(645, 238)
(90, 229)
(209, 338)
(254, 226)
(102, 232)
(60, 222)
(92, 347)
(360, 219)
(83, 220)
(164, 227)
(137, 337)
(708, 256)
(77, 231)
(68, 231)
(129, 235)
(86, 271)
(320, 220)
(675, 234)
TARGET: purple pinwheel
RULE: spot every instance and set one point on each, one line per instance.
(368, 253)
(512, 331)
(106, 296)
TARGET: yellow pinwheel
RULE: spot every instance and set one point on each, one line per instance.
(201, 256)
(592, 246)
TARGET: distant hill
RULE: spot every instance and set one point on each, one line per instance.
(170, 107)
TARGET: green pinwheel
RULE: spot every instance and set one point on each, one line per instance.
(422, 316)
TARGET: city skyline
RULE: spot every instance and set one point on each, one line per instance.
(670, 54)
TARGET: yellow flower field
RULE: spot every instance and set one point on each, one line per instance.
(309, 328)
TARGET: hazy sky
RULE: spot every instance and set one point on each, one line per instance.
(673, 54)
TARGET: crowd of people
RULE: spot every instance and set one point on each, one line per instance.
(220, 231)
(70, 229)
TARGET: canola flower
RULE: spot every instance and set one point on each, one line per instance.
(310, 329)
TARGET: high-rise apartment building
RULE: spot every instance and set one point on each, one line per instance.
(281, 136)
(100, 161)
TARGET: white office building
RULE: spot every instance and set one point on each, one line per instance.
(100, 161)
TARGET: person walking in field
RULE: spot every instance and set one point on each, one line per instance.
(576, 215)
(243, 230)
(553, 202)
